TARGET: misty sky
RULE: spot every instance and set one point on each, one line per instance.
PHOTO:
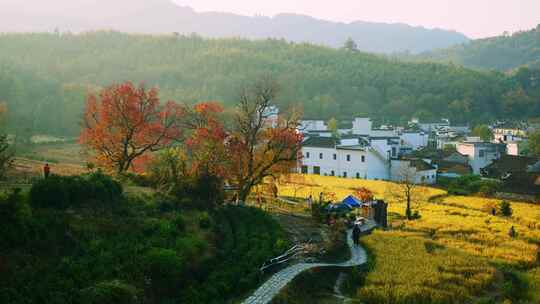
(475, 18)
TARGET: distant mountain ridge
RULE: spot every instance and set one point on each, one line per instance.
(163, 16)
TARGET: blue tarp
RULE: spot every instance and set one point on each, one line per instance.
(352, 202)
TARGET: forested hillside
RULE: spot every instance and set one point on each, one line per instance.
(44, 78)
(503, 53)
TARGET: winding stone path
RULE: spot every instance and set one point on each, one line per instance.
(271, 288)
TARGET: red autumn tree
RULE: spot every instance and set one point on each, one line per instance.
(364, 194)
(124, 123)
(205, 144)
(261, 145)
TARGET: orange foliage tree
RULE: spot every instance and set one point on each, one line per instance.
(124, 123)
(364, 194)
(205, 145)
(261, 145)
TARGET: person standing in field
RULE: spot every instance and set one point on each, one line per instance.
(356, 233)
(46, 170)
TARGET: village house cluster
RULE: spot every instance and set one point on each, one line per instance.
(419, 152)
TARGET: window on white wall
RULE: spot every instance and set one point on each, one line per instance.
(363, 159)
(335, 156)
(307, 154)
(320, 155)
(345, 174)
(348, 157)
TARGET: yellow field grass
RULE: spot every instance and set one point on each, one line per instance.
(342, 187)
(411, 269)
(525, 213)
(446, 256)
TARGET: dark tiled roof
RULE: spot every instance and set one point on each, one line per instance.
(453, 167)
(421, 165)
(508, 164)
(320, 142)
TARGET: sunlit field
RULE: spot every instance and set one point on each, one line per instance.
(342, 187)
(452, 254)
(410, 268)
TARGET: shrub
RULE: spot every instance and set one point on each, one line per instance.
(205, 192)
(109, 292)
(204, 221)
(180, 223)
(62, 192)
(505, 209)
(471, 184)
(164, 270)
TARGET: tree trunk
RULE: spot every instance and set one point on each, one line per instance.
(244, 193)
(408, 212)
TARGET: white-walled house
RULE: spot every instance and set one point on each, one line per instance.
(416, 140)
(480, 154)
(349, 158)
(416, 171)
(506, 136)
(313, 125)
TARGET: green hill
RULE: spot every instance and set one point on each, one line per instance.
(502, 53)
(53, 72)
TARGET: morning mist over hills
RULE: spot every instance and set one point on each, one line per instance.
(164, 16)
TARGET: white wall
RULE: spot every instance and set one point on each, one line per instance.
(362, 126)
(416, 141)
(371, 168)
(505, 138)
(312, 125)
(479, 156)
(401, 170)
(512, 149)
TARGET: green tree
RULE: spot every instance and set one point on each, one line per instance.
(484, 132)
(505, 208)
(333, 126)
(350, 45)
(534, 143)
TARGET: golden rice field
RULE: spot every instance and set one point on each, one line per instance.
(341, 187)
(450, 255)
(409, 268)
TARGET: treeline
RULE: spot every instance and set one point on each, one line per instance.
(49, 74)
(505, 52)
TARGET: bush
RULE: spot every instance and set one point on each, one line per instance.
(62, 192)
(165, 270)
(470, 184)
(115, 292)
(204, 192)
(204, 221)
(505, 208)
(179, 223)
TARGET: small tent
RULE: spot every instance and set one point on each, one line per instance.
(352, 202)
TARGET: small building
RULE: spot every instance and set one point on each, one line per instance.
(481, 154)
(417, 171)
(312, 126)
(356, 157)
